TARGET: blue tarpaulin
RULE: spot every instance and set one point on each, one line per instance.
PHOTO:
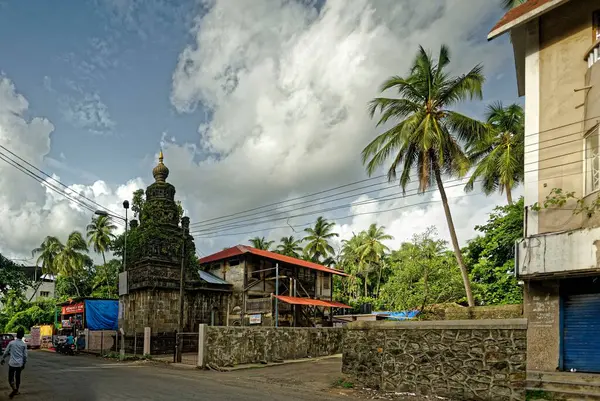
(102, 314)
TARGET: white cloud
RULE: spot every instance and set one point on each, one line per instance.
(287, 87)
(87, 111)
(30, 211)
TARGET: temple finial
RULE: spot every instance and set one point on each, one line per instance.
(160, 157)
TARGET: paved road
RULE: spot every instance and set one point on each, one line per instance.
(51, 376)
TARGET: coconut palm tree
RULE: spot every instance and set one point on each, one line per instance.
(427, 135)
(353, 259)
(510, 4)
(290, 246)
(261, 243)
(71, 260)
(500, 155)
(100, 235)
(47, 253)
(318, 239)
(372, 248)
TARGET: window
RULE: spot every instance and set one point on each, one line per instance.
(592, 160)
(234, 262)
(45, 294)
(326, 278)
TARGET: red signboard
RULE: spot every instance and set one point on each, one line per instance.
(70, 309)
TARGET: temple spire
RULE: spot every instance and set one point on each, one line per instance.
(160, 172)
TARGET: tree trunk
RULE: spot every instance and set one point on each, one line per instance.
(509, 195)
(379, 278)
(457, 252)
(75, 284)
(365, 285)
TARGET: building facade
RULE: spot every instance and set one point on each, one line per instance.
(556, 49)
(268, 286)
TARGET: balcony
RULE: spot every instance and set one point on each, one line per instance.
(557, 255)
(592, 54)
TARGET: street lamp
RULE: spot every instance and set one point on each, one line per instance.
(105, 213)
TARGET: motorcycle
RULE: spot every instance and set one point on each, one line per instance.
(66, 349)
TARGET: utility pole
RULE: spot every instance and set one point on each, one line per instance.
(276, 294)
(185, 224)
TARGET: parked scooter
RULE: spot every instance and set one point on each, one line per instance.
(66, 349)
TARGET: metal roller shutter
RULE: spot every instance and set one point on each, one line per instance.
(581, 332)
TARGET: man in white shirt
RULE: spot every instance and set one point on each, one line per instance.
(17, 349)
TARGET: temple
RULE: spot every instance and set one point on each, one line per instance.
(157, 248)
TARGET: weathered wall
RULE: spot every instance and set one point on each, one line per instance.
(465, 360)
(542, 307)
(158, 309)
(565, 34)
(229, 346)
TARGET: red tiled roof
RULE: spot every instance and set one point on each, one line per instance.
(310, 301)
(242, 249)
(530, 6)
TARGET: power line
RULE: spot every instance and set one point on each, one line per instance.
(57, 181)
(293, 199)
(45, 183)
(211, 233)
(338, 218)
(374, 200)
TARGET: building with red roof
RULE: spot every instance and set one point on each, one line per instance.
(270, 288)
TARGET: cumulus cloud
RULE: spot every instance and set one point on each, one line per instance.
(287, 83)
(29, 211)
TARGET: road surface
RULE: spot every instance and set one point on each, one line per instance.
(50, 376)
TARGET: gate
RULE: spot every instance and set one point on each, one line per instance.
(186, 349)
(581, 325)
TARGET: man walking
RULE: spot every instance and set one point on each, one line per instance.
(17, 349)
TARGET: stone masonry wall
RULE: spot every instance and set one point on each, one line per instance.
(463, 360)
(229, 346)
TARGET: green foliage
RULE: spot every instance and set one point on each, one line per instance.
(261, 243)
(490, 256)
(290, 246)
(318, 238)
(12, 277)
(499, 154)
(20, 313)
(424, 274)
(137, 202)
(557, 199)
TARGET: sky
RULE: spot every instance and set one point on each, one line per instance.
(252, 102)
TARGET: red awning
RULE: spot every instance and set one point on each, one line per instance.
(310, 301)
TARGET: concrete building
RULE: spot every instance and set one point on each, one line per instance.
(556, 49)
(43, 285)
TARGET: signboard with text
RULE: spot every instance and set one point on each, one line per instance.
(256, 319)
(71, 309)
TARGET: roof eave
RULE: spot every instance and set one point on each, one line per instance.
(525, 18)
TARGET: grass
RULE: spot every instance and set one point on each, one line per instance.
(531, 395)
(343, 383)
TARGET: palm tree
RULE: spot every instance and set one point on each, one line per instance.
(353, 259)
(290, 247)
(427, 136)
(100, 235)
(47, 253)
(510, 4)
(318, 239)
(261, 243)
(500, 155)
(71, 261)
(372, 248)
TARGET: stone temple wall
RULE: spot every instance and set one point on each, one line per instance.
(229, 346)
(465, 360)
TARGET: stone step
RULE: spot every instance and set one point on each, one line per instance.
(565, 385)
(565, 395)
(580, 378)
